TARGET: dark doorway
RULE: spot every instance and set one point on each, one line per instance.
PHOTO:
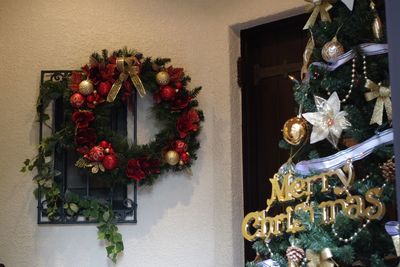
(268, 54)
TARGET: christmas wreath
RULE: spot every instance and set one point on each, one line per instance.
(103, 85)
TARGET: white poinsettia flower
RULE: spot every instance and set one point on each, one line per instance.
(328, 122)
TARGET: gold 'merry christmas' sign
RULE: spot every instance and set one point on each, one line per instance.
(259, 225)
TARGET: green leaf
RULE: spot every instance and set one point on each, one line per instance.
(119, 246)
(117, 237)
(101, 235)
(48, 183)
(110, 249)
(27, 161)
(106, 216)
(23, 169)
(74, 207)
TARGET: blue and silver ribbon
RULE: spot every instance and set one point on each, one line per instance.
(339, 159)
(268, 263)
(367, 49)
(393, 229)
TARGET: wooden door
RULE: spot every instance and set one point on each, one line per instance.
(268, 54)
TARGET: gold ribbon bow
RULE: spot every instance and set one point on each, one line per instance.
(383, 101)
(323, 259)
(317, 7)
(308, 51)
(128, 66)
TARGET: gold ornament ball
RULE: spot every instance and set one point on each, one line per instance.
(332, 50)
(162, 78)
(86, 87)
(172, 157)
(295, 130)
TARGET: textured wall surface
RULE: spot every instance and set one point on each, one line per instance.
(183, 221)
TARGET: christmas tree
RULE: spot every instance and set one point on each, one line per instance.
(333, 200)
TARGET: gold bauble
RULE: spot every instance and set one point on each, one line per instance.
(172, 157)
(162, 78)
(332, 50)
(86, 87)
(295, 130)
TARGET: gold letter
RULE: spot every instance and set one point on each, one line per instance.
(252, 220)
(279, 193)
(355, 210)
(378, 209)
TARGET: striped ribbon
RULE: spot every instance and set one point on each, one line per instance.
(367, 49)
(339, 159)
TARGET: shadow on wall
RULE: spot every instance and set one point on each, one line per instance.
(171, 189)
(170, 194)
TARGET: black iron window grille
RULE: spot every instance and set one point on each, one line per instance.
(122, 199)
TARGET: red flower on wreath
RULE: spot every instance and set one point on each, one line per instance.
(76, 78)
(85, 137)
(82, 118)
(99, 72)
(93, 100)
(138, 169)
(180, 146)
(127, 90)
(188, 122)
(134, 170)
(181, 101)
(83, 150)
(175, 74)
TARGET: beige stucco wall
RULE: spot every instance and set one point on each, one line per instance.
(183, 221)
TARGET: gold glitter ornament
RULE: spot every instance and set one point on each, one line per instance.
(86, 87)
(162, 78)
(332, 50)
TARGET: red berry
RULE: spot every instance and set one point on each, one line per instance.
(110, 162)
(104, 144)
(167, 93)
(90, 98)
(185, 157)
(77, 100)
(104, 88)
(178, 85)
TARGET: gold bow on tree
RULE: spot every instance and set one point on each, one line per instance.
(383, 101)
(317, 7)
(323, 259)
(128, 66)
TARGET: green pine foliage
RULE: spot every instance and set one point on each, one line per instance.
(372, 246)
